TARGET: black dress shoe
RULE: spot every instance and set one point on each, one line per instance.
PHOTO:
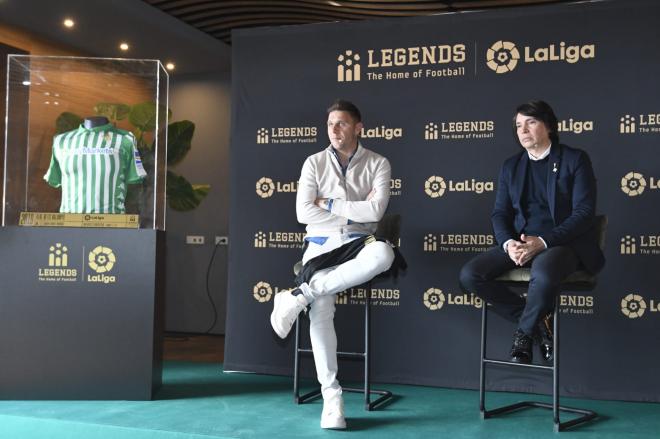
(521, 351)
(545, 337)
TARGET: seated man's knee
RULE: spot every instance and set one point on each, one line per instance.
(469, 276)
(322, 309)
(381, 256)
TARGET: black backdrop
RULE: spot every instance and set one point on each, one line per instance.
(437, 95)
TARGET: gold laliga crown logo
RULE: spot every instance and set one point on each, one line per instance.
(435, 186)
(265, 187)
(633, 306)
(633, 184)
(262, 292)
(502, 57)
(434, 298)
(101, 259)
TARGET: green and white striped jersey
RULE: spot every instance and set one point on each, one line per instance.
(93, 167)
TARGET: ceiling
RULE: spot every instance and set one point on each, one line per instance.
(218, 17)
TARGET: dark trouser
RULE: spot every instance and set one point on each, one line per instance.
(548, 269)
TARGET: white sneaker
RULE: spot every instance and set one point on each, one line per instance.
(285, 311)
(333, 413)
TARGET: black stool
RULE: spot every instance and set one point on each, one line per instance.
(388, 227)
(578, 281)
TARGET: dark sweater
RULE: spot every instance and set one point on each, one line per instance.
(535, 199)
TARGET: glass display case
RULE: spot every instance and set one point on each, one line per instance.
(86, 142)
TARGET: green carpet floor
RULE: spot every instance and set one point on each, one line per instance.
(198, 401)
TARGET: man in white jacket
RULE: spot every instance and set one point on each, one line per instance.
(342, 194)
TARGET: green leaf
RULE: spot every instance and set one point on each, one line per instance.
(143, 116)
(179, 139)
(201, 191)
(114, 112)
(67, 122)
(181, 195)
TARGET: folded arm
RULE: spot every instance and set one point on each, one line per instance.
(373, 208)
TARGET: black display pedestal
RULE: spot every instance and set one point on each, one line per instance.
(81, 313)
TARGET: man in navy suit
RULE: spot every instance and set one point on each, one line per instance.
(543, 219)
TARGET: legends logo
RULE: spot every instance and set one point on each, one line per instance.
(266, 187)
(460, 130)
(434, 299)
(439, 61)
(641, 244)
(379, 297)
(282, 135)
(503, 56)
(396, 185)
(58, 263)
(575, 304)
(458, 243)
(643, 124)
(436, 186)
(279, 240)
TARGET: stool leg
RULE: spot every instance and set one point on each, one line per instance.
(555, 366)
(367, 363)
(482, 364)
(296, 364)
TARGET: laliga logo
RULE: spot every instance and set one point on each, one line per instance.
(435, 186)
(101, 260)
(502, 57)
(434, 299)
(633, 184)
(348, 69)
(262, 292)
(633, 306)
(265, 187)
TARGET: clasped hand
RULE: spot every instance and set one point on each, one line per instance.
(521, 252)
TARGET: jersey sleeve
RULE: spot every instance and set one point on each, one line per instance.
(54, 174)
(133, 168)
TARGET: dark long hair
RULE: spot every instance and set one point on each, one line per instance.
(539, 110)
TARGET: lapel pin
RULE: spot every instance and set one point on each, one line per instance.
(554, 167)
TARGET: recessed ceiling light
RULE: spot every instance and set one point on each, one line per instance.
(170, 66)
(68, 23)
(124, 46)
(26, 83)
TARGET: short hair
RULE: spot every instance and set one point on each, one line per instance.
(347, 106)
(542, 111)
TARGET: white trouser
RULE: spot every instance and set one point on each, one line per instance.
(372, 260)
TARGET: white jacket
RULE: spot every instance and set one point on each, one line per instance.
(321, 177)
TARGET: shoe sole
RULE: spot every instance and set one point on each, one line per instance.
(281, 333)
(338, 426)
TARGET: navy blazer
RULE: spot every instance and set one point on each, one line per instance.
(571, 198)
